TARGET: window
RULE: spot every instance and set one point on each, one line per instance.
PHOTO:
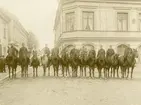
(139, 21)
(4, 30)
(88, 20)
(70, 21)
(122, 21)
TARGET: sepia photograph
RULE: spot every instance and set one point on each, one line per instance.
(70, 52)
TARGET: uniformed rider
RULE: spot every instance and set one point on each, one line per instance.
(127, 51)
(46, 50)
(12, 51)
(23, 51)
(55, 51)
(110, 51)
(101, 52)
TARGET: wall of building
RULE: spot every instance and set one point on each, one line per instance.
(3, 36)
(105, 15)
(105, 24)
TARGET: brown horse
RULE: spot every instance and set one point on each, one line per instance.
(131, 61)
(101, 65)
(123, 66)
(92, 62)
(35, 63)
(65, 63)
(24, 62)
(74, 61)
(108, 66)
(46, 61)
(115, 65)
(83, 62)
(12, 62)
(55, 61)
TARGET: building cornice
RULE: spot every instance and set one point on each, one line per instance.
(103, 1)
(105, 39)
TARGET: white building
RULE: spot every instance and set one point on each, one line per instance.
(106, 22)
(11, 30)
(4, 22)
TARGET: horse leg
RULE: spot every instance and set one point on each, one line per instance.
(127, 72)
(66, 71)
(67, 68)
(27, 71)
(21, 71)
(72, 71)
(108, 73)
(77, 71)
(54, 70)
(85, 70)
(44, 68)
(49, 71)
(9, 71)
(12, 73)
(80, 71)
(132, 72)
(93, 72)
(63, 71)
(57, 69)
(99, 70)
(114, 72)
(15, 69)
(90, 70)
(36, 71)
(117, 72)
(33, 71)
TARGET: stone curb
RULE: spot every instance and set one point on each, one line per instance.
(7, 76)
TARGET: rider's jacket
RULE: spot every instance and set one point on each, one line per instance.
(83, 51)
(101, 52)
(12, 51)
(92, 52)
(46, 51)
(110, 52)
(35, 53)
(23, 52)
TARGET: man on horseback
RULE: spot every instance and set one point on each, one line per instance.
(110, 51)
(83, 51)
(12, 51)
(101, 52)
(55, 51)
(23, 51)
(46, 50)
(127, 51)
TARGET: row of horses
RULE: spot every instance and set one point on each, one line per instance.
(71, 63)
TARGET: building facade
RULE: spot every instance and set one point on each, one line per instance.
(4, 22)
(11, 30)
(99, 22)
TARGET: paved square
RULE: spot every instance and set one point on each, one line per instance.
(71, 91)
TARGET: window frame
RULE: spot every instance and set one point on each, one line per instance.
(66, 23)
(92, 19)
(4, 30)
(126, 24)
(139, 21)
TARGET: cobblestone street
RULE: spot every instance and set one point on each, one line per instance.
(71, 91)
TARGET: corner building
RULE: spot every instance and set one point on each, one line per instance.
(99, 22)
